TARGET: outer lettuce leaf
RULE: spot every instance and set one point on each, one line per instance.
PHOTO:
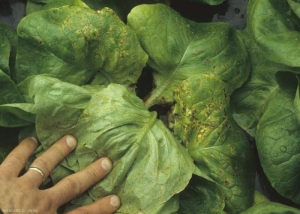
(271, 208)
(8, 48)
(12, 113)
(32, 7)
(295, 6)
(4, 53)
(150, 166)
(121, 7)
(249, 101)
(60, 3)
(277, 139)
(9, 92)
(203, 121)
(201, 196)
(73, 43)
(274, 31)
(263, 106)
(179, 48)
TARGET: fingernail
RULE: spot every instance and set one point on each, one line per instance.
(34, 139)
(71, 141)
(115, 201)
(106, 164)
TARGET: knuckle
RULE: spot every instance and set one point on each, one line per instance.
(74, 185)
(94, 173)
(59, 150)
(16, 159)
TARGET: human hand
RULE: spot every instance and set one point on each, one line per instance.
(22, 194)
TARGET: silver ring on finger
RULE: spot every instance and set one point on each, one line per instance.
(39, 171)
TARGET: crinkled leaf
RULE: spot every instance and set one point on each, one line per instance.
(201, 196)
(276, 34)
(150, 166)
(271, 208)
(73, 43)
(277, 139)
(220, 149)
(179, 48)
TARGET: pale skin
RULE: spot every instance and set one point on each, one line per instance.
(23, 193)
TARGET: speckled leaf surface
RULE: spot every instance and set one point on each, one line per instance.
(85, 41)
(179, 48)
(220, 149)
(150, 166)
(277, 140)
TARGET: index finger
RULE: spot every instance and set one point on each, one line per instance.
(74, 185)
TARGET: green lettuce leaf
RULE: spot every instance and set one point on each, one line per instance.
(4, 53)
(275, 33)
(73, 43)
(121, 7)
(8, 38)
(220, 149)
(150, 166)
(179, 48)
(13, 111)
(270, 39)
(211, 2)
(248, 102)
(277, 139)
(271, 208)
(60, 3)
(201, 196)
(32, 7)
(295, 6)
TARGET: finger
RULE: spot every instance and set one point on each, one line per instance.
(74, 185)
(17, 158)
(45, 163)
(106, 205)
